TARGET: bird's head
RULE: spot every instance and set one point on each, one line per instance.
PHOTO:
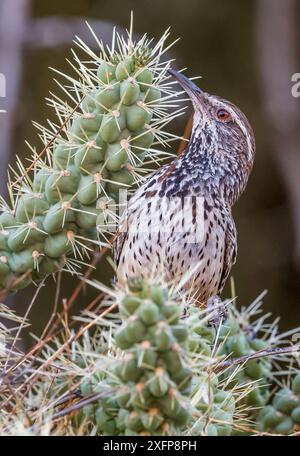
(222, 143)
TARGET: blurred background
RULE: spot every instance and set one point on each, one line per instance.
(245, 51)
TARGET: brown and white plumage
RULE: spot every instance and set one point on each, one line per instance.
(179, 225)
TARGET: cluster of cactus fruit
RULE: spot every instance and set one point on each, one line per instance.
(157, 367)
(151, 379)
(241, 339)
(163, 381)
(71, 198)
(214, 405)
(282, 415)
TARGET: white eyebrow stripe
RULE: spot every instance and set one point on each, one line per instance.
(242, 127)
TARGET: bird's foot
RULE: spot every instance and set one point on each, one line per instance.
(217, 311)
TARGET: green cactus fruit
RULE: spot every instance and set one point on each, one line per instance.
(159, 295)
(134, 422)
(58, 215)
(135, 329)
(7, 219)
(61, 183)
(269, 417)
(129, 368)
(285, 426)
(49, 266)
(152, 419)
(254, 369)
(112, 124)
(148, 313)
(85, 125)
(26, 259)
(147, 355)
(159, 382)
(59, 244)
(86, 216)
(116, 156)
(296, 415)
(173, 359)
(137, 116)
(89, 155)
(121, 338)
(130, 304)
(31, 205)
(40, 179)
(106, 72)
(119, 180)
(129, 91)
(145, 78)
(285, 401)
(124, 69)
(62, 156)
(163, 336)
(89, 188)
(140, 395)
(26, 234)
(109, 95)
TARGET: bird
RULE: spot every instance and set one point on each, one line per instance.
(178, 227)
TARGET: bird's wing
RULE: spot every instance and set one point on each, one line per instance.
(230, 252)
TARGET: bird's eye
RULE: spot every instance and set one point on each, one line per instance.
(222, 114)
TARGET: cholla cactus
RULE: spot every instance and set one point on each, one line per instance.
(245, 332)
(151, 379)
(164, 382)
(282, 415)
(109, 134)
(214, 403)
(149, 369)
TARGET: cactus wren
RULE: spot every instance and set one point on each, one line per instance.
(178, 226)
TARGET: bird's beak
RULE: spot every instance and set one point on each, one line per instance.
(193, 91)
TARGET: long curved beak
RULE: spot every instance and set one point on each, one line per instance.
(193, 91)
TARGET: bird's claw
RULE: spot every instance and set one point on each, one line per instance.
(217, 311)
